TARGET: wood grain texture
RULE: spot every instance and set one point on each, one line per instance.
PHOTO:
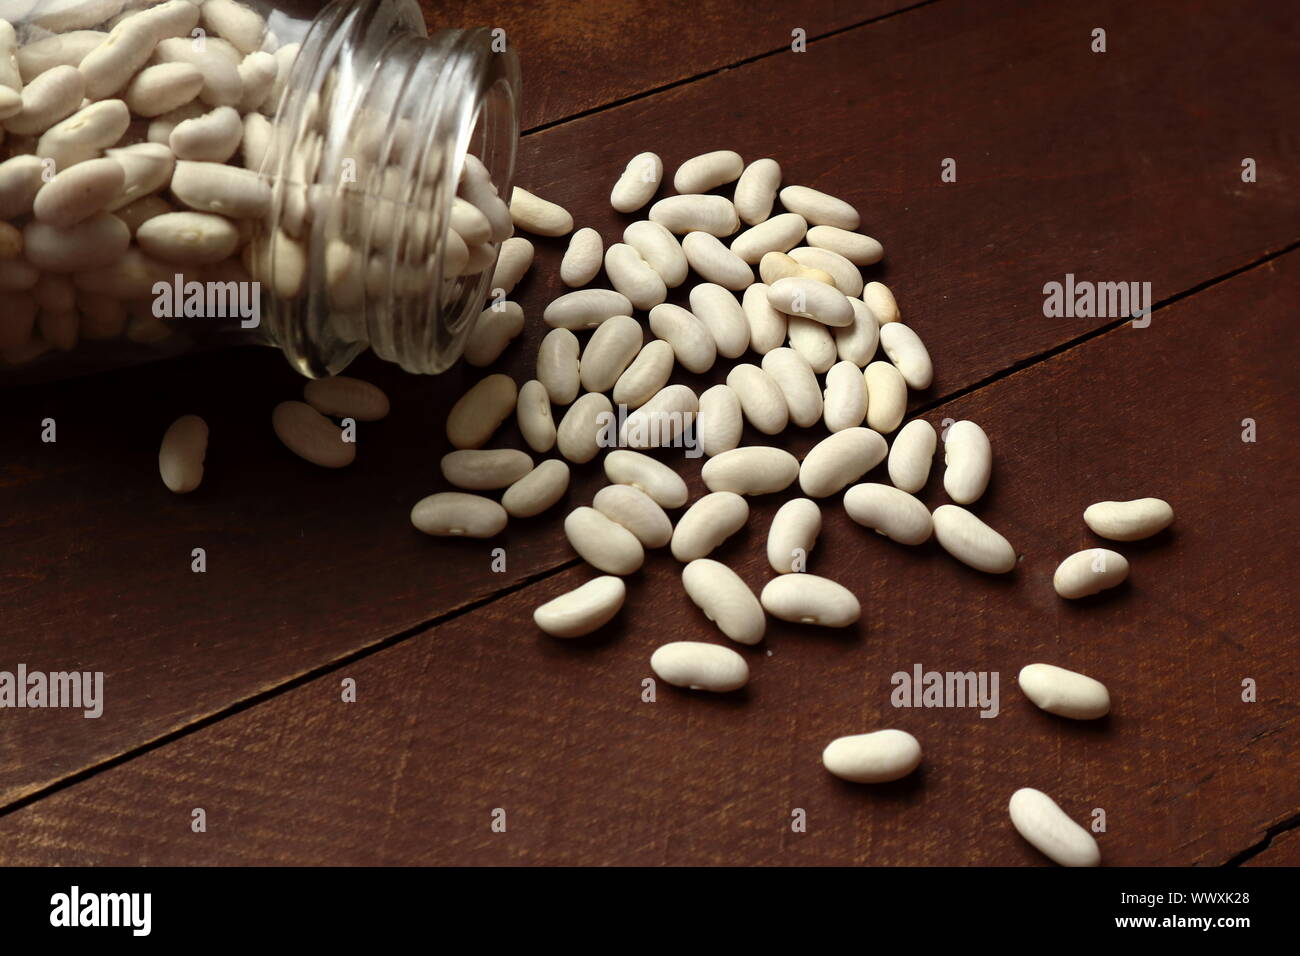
(1283, 851)
(579, 56)
(485, 712)
(305, 567)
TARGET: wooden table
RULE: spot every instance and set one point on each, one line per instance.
(224, 689)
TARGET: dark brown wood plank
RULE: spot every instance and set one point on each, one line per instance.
(306, 567)
(485, 712)
(580, 56)
(1283, 851)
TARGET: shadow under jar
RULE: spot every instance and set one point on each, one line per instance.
(180, 175)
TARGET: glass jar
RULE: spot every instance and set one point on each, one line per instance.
(327, 232)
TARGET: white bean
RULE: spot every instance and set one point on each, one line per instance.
(187, 238)
(533, 412)
(761, 399)
(221, 83)
(1064, 693)
(660, 421)
(602, 543)
(85, 133)
(857, 343)
(706, 524)
(780, 233)
(180, 459)
(213, 137)
(632, 276)
(78, 193)
(767, 326)
(819, 208)
(241, 25)
(311, 436)
(475, 183)
(1129, 520)
(147, 167)
(65, 49)
(858, 249)
(514, 260)
(585, 309)
(660, 249)
(844, 403)
(95, 243)
(584, 609)
(494, 329)
(911, 455)
(780, 265)
(653, 477)
(46, 100)
(881, 302)
(558, 365)
(707, 171)
(814, 342)
(637, 512)
(638, 183)
(877, 757)
(794, 376)
(844, 274)
(751, 470)
(578, 436)
(1039, 820)
(159, 89)
(793, 533)
(538, 490)
(257, 72)
(723, 316)
(693, 344)
(648, 373)
(968, 458)
(227, 190)
(539, 216)
(719, 423)
(693, 213)
(346, 397)
(840, 459)
(485, 469)
(971, 541)
(1088, 572)
(456, 514)
(809, 599)
(700, 666)
(480, 411)
(609, 351)
(886, 396)
(756, 190)
(908, 353)
(725, 599)
(715, 262)
(582, 259)
(889, 511)
(795, 295)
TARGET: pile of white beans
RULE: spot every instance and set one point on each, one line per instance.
(810, 315)
(131, 154)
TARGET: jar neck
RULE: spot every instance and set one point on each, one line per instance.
(369, 140)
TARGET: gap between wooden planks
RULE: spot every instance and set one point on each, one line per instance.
(1059, 170)
(485, 713)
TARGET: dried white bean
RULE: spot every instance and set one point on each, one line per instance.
(602, 543)
(911, 455)
(213, 137)
(558, 365)
(187, 238)
(723, 316)
(638, 183)
(700, 666)
(756, 190)
(485, 469)
(881, 302)
(844, 274)
(660, 249)
(345, 397)
(660, 421)
(751, 470)
(579, 433)
(609, 351)
(221, 83)
(539, 216)
(180, 459)
(719, 423)
(494, 329)
(456, 514)
(886, 396)
(971, 541)
(584, 609)
(99, 242)
(780, 233)
(707, 523)
(216, 187)
(1064, 693)
(908, 353)
(819, 208)
(725, 599)
(761, 399)
(582, 259)
(715, 262)
(707, 171)
(653, 477)
(809, 599)
(46, 100)
(858, 249)
(533, 412)
(514, 260)
(767, 326)
(648, 373)
(857, 343)
(1088, 572)
(635, 510)
(889, 511)
(844, 403)
(480, 411)
(840, 459)
(148, 167)
(795, 295)
(877, 757)
(311, 436)
(538, 490)
(78, 193)
(1039, 820)
(242, 26)
(1129, 520)
(156, 90)
(968, 458)
(585, 309)
(792, 535)
(84, 134)
(693, 213)
(814, 342)
(632, 276)
(794, 376)
(693, 344)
